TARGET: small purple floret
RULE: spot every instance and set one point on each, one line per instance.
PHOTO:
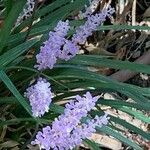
(69, 50)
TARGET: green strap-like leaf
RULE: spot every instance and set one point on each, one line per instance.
(12, 54)
(78, 72)
(92, 144)
(123, 27)
(18, 120)
(8, 4)
(119, 103)
(9, 22)
(95, 60)
(14, 91)
(118, 136)
(136, 114)
(130, 127)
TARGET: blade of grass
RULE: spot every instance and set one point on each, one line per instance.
(120, 103)
(130, 127)
(138, 115)
(19, 120)
(12, 54)
(118, 136)
(95, 60)
(124, 27)
(15, 92)
(123, 123)
(8, 4)
(93, 145)
(9, 22)
(78, 72)
(36, 71)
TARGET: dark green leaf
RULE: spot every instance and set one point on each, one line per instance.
(15, 92)
(118, 136)
(9, 22)
(12, 54)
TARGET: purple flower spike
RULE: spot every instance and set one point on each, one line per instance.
(49, 52)
(40, 97)
(67, 131)
(27, 12)
(85, 130)
(58, 47)
(93, 21)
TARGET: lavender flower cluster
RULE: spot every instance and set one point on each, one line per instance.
(58, 47)
(51, 49)
(93, 21)
(27, 11)
(40, 97)
(67, 131)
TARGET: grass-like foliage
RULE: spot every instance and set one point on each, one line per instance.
(37, 79)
